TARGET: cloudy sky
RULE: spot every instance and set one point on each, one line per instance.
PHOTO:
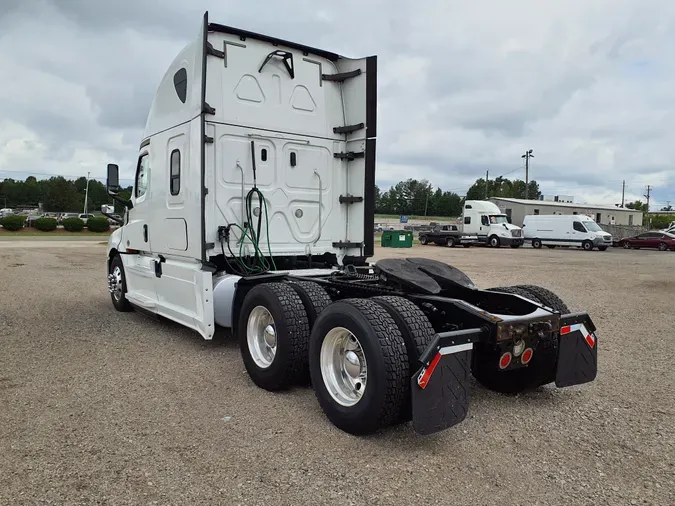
(589, 85)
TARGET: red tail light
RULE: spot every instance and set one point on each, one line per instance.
(505, 360)
(527, 355)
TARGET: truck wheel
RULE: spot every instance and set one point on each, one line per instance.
(314, 299)
(451, 242)
(494, 241)
(359, 366)
(417, 334)
(117, 284)
(536, 243)
(587, 245)
(274, 335)
(542, 368)
(423, 240)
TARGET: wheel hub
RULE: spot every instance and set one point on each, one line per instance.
(261, 337)
(115, 283)
(343, 366)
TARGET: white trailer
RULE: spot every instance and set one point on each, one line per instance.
(252, 210)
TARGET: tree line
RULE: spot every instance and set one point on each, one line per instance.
(56, 194)
(419, 198)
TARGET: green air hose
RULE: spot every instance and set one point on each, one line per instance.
(260, 263)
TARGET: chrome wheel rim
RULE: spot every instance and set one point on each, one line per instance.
(115, 283)
(261, 335)
(343, 366)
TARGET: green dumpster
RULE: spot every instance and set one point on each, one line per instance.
(397, 239)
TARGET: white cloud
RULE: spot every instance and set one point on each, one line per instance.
(463, 86)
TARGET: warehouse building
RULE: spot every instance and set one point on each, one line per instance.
(517, 209)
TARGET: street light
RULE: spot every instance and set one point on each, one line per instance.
(527, 156)
(86, 193)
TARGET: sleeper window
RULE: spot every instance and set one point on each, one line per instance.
(174, 180)
(142, 175)
(467, 220)
(484, 220)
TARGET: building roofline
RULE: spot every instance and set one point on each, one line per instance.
(603, 207)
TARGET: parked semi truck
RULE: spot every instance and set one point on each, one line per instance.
(252, 210)
(481, 223)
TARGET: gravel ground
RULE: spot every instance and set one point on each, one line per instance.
(99, 407)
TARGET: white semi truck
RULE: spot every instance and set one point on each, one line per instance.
(252, 210)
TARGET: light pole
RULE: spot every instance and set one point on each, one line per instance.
(527, 156)
(86, 193)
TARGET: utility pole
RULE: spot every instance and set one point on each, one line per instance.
(86, 194)
(528, 154)
(623, 191)
(487, 177)
(649, 189)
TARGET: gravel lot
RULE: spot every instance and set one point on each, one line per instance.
(99, 407)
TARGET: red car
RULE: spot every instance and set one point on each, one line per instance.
(658, 240)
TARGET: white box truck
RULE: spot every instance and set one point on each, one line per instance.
(252, 210)
(553, 230)
(483, 222)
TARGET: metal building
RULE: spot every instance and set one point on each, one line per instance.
(517, 209)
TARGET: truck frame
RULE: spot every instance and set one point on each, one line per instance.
(252, 210)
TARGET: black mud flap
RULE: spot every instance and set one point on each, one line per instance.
(440, 391)
(577, 351)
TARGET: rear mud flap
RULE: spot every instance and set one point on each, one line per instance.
(577, 353)
(440, 392)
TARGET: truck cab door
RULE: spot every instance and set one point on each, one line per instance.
(484, 223)
(137, 239)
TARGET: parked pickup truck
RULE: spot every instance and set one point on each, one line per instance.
(444, 235)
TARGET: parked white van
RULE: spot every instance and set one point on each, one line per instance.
(565, 230)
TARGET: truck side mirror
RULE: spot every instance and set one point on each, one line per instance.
(113, 179)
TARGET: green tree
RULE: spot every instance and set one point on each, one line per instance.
(638, 205)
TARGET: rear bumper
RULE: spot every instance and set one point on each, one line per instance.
(440, 387)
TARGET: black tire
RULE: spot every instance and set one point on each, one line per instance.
(602, 248)
(314, 299)
(417, 334)
(494, 241)
(626, 245)
(540, 371)
(289, 364)
(388, 380)
(423, 240)
(536, 243)
(663, 246)
(587, 245)
(121, 303)
(415, 327)
(451, 242)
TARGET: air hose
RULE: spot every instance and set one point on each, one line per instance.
(259, 264)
